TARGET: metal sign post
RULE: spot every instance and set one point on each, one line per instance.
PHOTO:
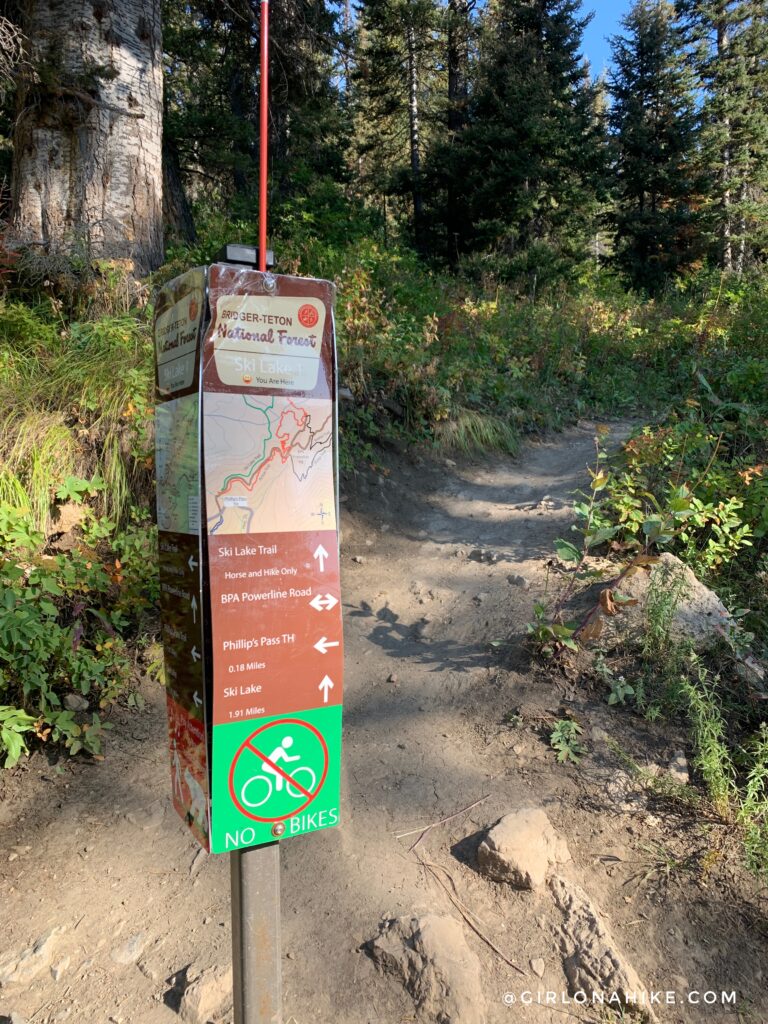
(247, 511)
(255, 877)
(263, 134)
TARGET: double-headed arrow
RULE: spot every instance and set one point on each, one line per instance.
(323, 603)
(323, 644)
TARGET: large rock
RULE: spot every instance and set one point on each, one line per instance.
(699, 616)
(430, 956)
(521, 848)
(592, 959)
(208, 997)
(23, 966)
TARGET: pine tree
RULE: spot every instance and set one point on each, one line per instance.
(212, 60)
(395, 83)
(653, 121)
(458, 38)
(728, 48)
(529, 159)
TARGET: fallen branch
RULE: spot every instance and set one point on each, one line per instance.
(465, 912)
(435, 824)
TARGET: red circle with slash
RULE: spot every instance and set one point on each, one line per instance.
(248, 745)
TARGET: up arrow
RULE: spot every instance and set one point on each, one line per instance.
(196, 655)
(324, 643)
(193, 604)
(192, 563)
(323, 603)
(320, 556)
(326, 686)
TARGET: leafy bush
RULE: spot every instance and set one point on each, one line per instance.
(66, 621)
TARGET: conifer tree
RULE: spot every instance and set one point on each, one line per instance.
(653, 121)
(728, 48)
(529, 159)
(395, 79)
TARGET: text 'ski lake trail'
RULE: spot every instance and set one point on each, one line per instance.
(439, 561)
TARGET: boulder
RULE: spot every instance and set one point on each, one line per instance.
(430, 956)
(699, 615)
(521, 848)
(208, 997)
(593, 961)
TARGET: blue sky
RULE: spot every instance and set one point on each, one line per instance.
(608, 13)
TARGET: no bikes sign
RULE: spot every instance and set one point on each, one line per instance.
(265, 790)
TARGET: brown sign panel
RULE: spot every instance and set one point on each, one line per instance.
(276, 633)
(269, 334)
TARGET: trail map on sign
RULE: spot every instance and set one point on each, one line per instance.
(176, 461)
(268, 464)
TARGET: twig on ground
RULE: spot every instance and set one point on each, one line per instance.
(466, 913)
(435, 824)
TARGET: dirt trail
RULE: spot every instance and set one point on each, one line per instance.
(430, 728)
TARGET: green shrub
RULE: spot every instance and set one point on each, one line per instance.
(66, 621)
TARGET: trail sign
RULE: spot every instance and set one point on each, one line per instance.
(247, 484)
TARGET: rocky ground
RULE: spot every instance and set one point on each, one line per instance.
(535, 877)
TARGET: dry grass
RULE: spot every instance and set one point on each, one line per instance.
(69, 394)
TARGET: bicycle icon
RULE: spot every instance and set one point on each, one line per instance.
(303, 776)
(278, 770)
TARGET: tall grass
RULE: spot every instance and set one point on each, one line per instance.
(67, 393)
(471, 431)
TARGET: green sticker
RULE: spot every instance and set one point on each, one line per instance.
(281, 771)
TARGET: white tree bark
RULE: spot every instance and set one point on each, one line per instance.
(723, 43)
(88, 136)
(414, 131)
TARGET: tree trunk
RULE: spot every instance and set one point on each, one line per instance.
(723, 43)
(177, 215)
(88, 134)
(415, 140)
(458, 96)
(741, 251)
(458, 63)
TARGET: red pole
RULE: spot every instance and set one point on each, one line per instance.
(264, 132)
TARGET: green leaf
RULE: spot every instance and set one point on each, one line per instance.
(567, 552)
(601, 536)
